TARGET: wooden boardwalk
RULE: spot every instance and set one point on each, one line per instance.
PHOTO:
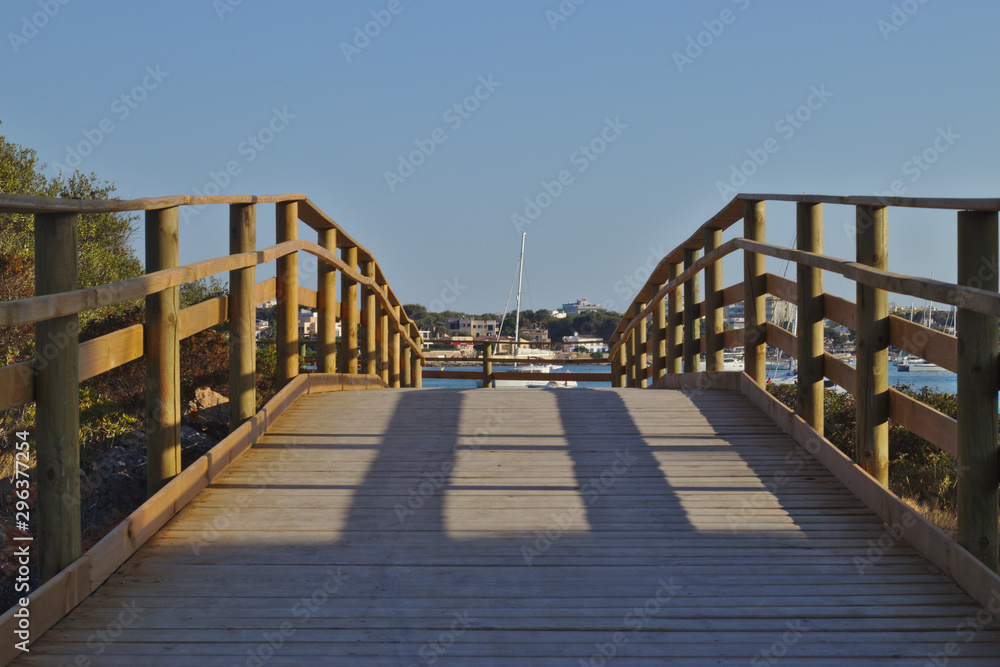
(530, 527)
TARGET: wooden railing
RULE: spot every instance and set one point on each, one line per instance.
(672, 343)
(388, 348)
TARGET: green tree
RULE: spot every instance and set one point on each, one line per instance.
(201, 290)
(105, 252)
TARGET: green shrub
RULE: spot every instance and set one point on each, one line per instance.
(917, 468)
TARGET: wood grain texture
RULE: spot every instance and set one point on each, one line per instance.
(161, 348)
(978, 451)
(692, 322)
(57, 399)
(708, 516)
(287, 295)
(872, 397)
(242, 317)
(754, 288)
(907, 526)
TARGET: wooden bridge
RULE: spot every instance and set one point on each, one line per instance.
(678, 517)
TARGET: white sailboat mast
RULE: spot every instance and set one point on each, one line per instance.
(517, 317)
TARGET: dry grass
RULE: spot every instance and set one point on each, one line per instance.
(946, 519)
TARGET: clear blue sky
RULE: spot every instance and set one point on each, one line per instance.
(894, 77)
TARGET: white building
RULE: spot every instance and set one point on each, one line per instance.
(471, 326)
(591, 343)
(579, 306)
(309, 324)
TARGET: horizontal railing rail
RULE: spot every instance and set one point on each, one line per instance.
(660, 332)
(379, 339)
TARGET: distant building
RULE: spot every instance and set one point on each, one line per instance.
(471, 326)
(735, 314)
(580, 306)
(535, 335)
(309, 324)
(591, 343)
(558, 314)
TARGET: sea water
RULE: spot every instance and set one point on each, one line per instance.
(945, 381)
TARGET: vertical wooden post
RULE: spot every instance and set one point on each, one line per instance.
(394, 374)
(57, 398)
(369, 323)
(630, 362)
(488, 366)
(675, 334)
(692, 322)
(978, 453)
(658, 341)
(809, 331)
(242, 339)
(287, 292)
(384, 343)
(618, 374)
(348, 350)
(641, 371)
(417, 372)
(754, 289)
(406, 366)
(161, 347)
(326, 307)
(714, 345)
(872, 400)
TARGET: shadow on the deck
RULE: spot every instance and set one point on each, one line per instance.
(475, 527)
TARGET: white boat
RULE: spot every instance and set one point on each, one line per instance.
(911, 363)
(731, 361)
(535, 368)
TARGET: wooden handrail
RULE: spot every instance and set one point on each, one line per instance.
(63, 363)
(28, 204)
(972, 354)
(971, 298)
(38, 308)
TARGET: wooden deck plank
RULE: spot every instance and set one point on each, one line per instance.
(670, 526)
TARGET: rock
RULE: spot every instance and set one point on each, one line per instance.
(208, 412)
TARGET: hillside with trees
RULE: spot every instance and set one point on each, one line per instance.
(600, 323)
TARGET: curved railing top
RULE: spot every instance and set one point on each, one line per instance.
(733, 212)
(309, 213)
